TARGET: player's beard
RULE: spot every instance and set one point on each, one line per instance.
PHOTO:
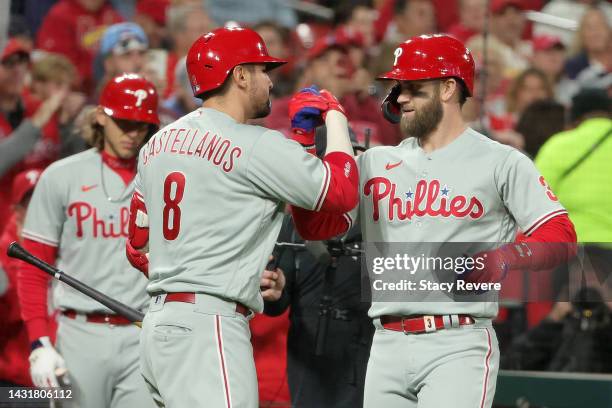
(426, 119)
(263, 110)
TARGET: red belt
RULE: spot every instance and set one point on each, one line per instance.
(424, 324)
(189, 297)
(98, 317)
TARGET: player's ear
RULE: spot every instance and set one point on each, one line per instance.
(448, 88)
(240, 75)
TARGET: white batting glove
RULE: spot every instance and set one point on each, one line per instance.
(46, 364)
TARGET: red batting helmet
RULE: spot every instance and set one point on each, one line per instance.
(130, 97)
(212, 56)
(432, 56)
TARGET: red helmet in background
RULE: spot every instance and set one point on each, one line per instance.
(212, 56)
(430, 57)
(427, 57)
(130, 97)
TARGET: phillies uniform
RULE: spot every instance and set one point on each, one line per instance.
(71, 211)
(408, 195)
(78, 219)
(472, 191)
(209, 203)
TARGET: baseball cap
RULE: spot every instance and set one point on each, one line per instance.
(324, 44)
(23, 183)
(499, 6)
(122, 38)
(14, 47)
(156, 9)
(547, 42)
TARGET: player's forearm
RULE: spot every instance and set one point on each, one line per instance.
(551, 245)
(32, 288)
(318, 226)
(338, 139)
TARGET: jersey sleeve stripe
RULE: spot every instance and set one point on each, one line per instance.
(349, 220)
(543, 219)
(324, 187)
(39, 238)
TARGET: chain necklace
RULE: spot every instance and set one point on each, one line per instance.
(128, 188)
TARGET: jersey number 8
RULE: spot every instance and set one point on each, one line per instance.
(171, 230)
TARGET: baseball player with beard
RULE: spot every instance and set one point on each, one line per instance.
(78, 220)
(444, 183)
(209, 203)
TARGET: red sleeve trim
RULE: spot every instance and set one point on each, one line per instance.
(317, 226)
(342, 194)
(540, 221)
(324, 187)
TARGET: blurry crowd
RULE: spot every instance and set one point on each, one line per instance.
(543, 84)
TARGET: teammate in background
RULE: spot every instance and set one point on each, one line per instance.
(444, 183)
(14, 367)
(209, 200)
(78, 220)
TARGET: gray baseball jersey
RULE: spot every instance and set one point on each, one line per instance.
(70, 209)
(472, 190)
(215, 191)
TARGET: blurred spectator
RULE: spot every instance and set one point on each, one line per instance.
(14, 365)
(410, 18)
(185, 24)
(20, 123)
(471, 19)
(540, 120)
(329, 66)
(122, 50)
(151, 16)
(182, 100)
(49, 74)
(531, 85)
(358, 17)
(274, 37)
(73, 28)
(572, 10)
(575, 337)
(251, 12)
(549, 55)
(577, 166)
(593, 47)
(19, 30)
(35, 11)
(507, 25)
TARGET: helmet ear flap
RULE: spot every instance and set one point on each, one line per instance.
(390, 108)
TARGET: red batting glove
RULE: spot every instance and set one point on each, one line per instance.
(332, 103)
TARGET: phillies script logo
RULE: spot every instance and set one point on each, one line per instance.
(427, 199)
(87, 219)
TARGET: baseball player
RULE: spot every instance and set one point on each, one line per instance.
(443, 183)
(78, 219)
(209, 204)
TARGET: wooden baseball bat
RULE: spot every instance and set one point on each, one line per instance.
(15, 250)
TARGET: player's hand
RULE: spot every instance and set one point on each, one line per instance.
(138, 258)
(489, 267)
(50, 106)
(46, 365)
(272, 285)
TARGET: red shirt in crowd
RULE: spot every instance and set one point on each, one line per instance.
(71, 30)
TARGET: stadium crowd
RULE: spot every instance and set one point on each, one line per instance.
(544, 89)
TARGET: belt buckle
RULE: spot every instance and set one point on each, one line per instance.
(107, 320)
(429, 323)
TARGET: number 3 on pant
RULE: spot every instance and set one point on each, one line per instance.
(174, 187)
